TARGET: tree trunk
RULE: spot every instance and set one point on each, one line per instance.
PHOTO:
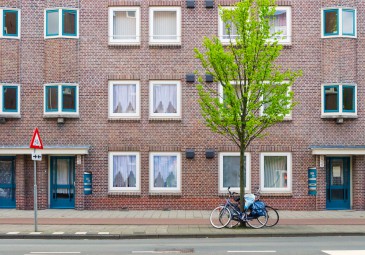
(242, 178)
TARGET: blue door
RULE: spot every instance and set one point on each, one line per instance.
(338, 183)
(7, 182)
(62, 184)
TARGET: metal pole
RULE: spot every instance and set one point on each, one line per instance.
(35, 195)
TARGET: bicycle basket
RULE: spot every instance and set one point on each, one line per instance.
(249, 199)
(258, 209)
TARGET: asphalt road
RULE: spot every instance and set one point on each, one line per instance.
(207, 246)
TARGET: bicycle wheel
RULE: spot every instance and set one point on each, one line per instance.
(272, 216)
(220, 217)
(257, 222)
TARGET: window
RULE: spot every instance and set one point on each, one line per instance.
(339, 22)
(124, 99)
(165, 97)
(124, 25)
(281, 23)
(61, 23)
(267, 104)
(9, 100)
(124, 171)
(275, 172)
(165, 173)
(10, 23)
(229, 171)
(226, 31)
(339, 99)
(61, 99)
(165, 25)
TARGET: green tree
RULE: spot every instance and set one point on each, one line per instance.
(251, 79)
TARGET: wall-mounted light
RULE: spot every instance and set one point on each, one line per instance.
(190, 153)
(190, 4)
(190, 77)
(209, 153)
(208, 78)
(209, 3)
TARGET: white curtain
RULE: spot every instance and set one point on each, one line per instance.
(278, 23)
(124, 171)
(124, 98)
(275, 168)
(348, 22)
(124, 25)
(165, 98)
(230, 31)
(62, 174)
(164, 25)
(165, 171)
(52, 22)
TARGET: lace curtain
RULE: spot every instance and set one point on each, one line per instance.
(124, 98)
(165, 171)
(62, 174)
(165, 98)
(278, 23)
(124, 171)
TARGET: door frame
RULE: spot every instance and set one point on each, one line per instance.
(349, 182)
(11, 204)
(50, 159)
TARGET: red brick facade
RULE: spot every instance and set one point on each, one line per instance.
(91, 62)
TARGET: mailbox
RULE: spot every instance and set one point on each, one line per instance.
(88, 180)
(312, 181)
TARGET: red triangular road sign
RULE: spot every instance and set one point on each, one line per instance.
(36, 142)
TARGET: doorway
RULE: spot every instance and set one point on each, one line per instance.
(7, 182)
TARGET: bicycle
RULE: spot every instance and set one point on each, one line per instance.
(272, 213)
(222, 215)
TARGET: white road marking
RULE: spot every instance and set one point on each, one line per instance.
(345, 252)
(55, 252)
(12, 233)
(35, 233)
(156, 252)
(103, 233)
(251, 251)
(58, 233)
(80, 233)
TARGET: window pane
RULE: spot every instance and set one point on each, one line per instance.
(278, 23)
(164, 25)
(124, 25)
(69, 98)
(275, 172)
(348, 26)
(348, 98)
(331, 26)
(165, 98)
(229, 31)
(69, 22)
(10, 23)
(231, 171)
(124, 98)
(10, 98)
(331, 99)
(52, 98)
(124, 171)
(165, 171)
(52, 23)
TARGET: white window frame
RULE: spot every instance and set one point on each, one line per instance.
(248, 172)
(112, 41)
(178, 173)
(340, 22)
(60, 23)
(221, 30)
(111, 171)
(60, 113)
(287, 116)
(135, 115)
(288, 40)
(176, 115)
(9, 114)
(288, 189)
(340, 112)
(178, 28)
(2, 20)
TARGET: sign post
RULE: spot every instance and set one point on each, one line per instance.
(36, 143)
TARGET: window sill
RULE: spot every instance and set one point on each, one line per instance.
(164, 119)
(124, 119)
(123, 193)
(338, 36)
(61, 37)
(10, 37)
(273, 194)
(339, 116)
(124, 45)
(165, 45)
(61, 115)
(165, 193)
(10, 116)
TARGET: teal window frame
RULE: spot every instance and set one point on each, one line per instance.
(50, 11)
(75, 98)
(324, 22)
(338, 98)
(47, 95)
(63, 22)
(353, 98)
(354, 22)
(16, 98)
(17, 23)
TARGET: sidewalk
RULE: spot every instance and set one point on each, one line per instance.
(168, 224)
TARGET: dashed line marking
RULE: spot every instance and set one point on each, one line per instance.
(103, 233)
(345, 252)
(80, 233)
(58, 233)
(12, 233)
(35, 233)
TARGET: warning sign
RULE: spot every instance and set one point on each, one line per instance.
(36, 142)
